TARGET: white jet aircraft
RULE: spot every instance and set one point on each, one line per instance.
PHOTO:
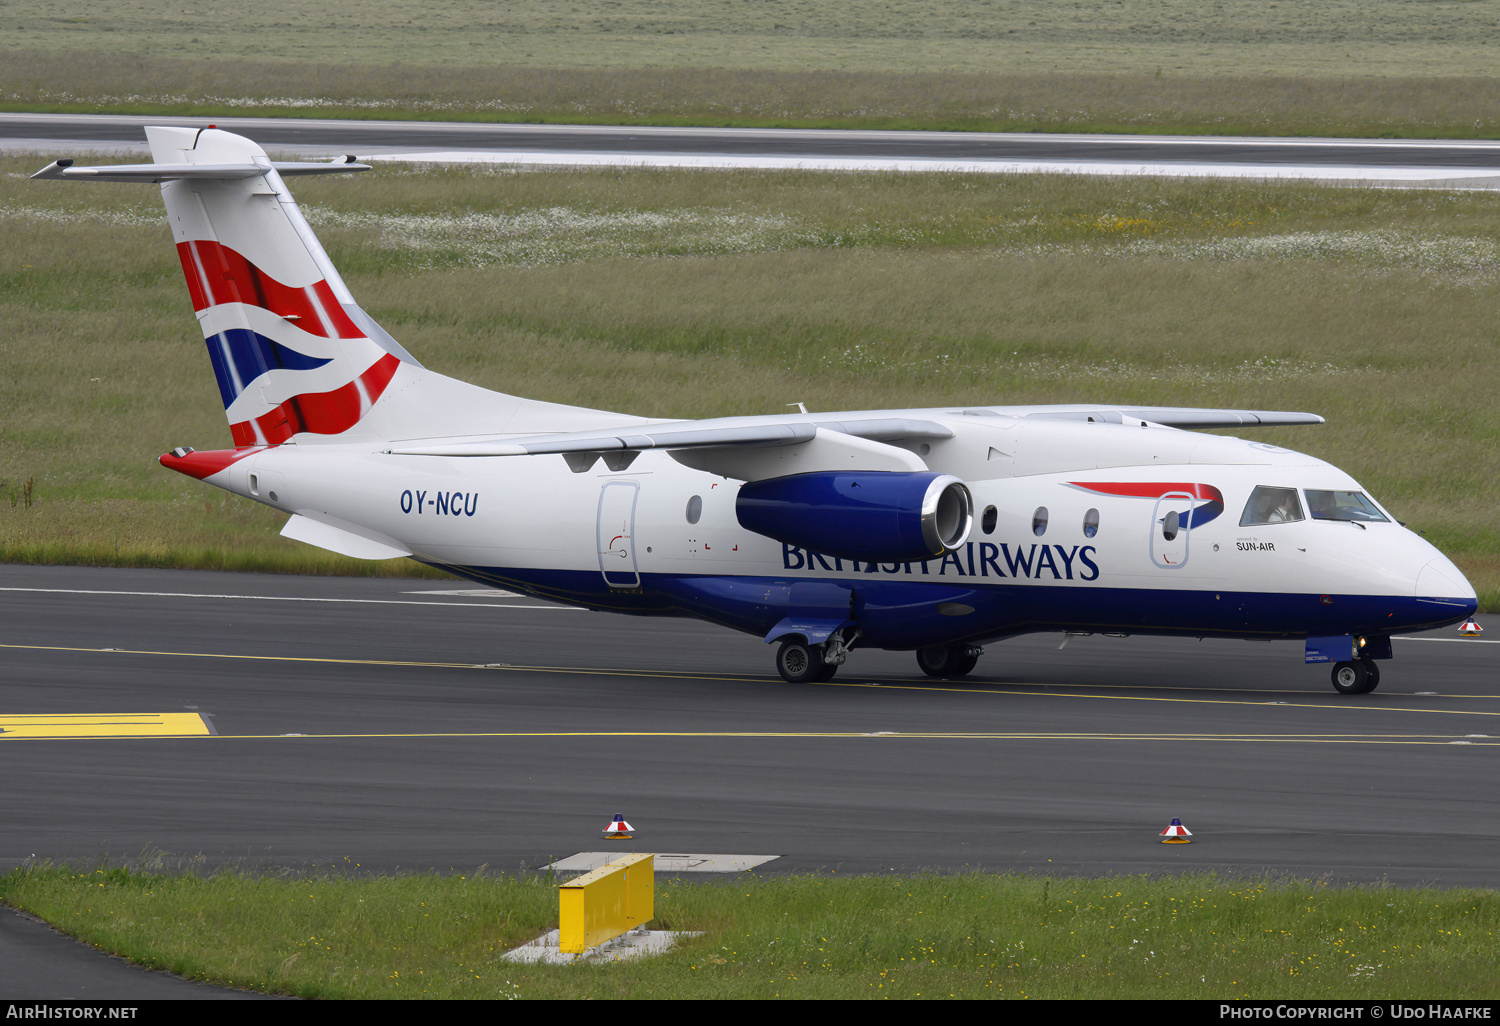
(929, 530)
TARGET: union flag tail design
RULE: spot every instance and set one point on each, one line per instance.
(293, 354)
(291, 350)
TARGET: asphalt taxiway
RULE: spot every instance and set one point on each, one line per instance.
(377, 725)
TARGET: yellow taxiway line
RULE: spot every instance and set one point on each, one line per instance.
(897, 735)
(178, 726)
(998, 689)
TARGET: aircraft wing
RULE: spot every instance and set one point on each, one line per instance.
(793, 429)
(733, 431)
(1167, 416)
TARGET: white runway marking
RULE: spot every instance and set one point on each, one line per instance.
(1462, 641)
(1475, 178)
(286, 598)
(469, 593)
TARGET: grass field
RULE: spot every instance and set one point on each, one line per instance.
(1296, 67)
(1299, 37)
(792, 937)
(691, 293)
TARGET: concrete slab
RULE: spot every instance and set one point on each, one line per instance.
(588, 861)
(637, 943)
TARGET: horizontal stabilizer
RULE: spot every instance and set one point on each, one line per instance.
(65, 171)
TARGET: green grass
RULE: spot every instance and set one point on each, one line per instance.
(1354, 38)
(977, 935)
(1408, 106)
(1293, 67)
(693, 293)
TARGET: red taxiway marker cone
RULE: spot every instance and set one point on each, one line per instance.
(1176, 833)
(1470, 629)
(618, 829)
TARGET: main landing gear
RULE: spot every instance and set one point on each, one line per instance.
(1356, 678)
(955, 660)
(801, 663)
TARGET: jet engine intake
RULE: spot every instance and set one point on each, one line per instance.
(878, 516)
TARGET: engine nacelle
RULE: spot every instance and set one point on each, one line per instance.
(877, 516)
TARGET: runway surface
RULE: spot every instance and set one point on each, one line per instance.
(377, 725)
(1453, 163)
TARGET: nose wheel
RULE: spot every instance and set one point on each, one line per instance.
(1356, 678)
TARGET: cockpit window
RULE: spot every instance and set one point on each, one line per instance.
(1271, 505)
(1332, 505)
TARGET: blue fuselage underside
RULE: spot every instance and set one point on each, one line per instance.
(908, 615)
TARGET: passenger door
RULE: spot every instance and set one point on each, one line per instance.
(616, 534)
(1171, 528)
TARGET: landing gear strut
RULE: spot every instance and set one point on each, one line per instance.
(801, 663)
(954, 660)
(1356, 678)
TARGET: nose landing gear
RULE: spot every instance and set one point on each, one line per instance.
(1356, 677)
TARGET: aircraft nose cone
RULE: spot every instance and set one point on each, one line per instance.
(1441, 579)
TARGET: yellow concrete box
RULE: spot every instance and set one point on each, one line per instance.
(601, 905)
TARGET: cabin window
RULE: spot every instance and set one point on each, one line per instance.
(1332, 505)
(991, 515)
(1170, 525)
(1272, 505)
(1091, 523)
(1039, 521)
(694, 509)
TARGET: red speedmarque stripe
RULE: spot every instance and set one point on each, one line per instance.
(1151, 489)
(203, 464)
(217, 274)
(322, 413)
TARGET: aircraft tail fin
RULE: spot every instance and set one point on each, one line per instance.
(291, 350)
(292, 353)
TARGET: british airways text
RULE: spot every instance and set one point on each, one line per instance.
(981, 559)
